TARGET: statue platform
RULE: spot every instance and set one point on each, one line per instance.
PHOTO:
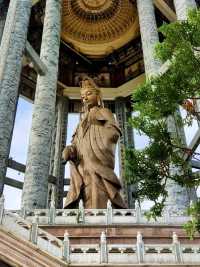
(109, 237)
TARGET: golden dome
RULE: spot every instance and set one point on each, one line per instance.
(97, 27)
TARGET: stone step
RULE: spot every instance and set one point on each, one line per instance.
(16, 251)
(121, 234)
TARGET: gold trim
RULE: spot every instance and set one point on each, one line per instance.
(94, 4)
(99, 50)
(107, 93)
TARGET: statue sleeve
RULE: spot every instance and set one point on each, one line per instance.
(112, 129)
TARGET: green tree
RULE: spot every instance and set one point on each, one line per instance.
(154, 102)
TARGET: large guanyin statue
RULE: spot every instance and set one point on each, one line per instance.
(92, 154)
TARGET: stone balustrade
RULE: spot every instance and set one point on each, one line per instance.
(14, 223)
(129, 254)
(107, 216)
(102, 253)
(31, 232)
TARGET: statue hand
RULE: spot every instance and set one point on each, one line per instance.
(66, 154)
(112, 134)
(69, 153)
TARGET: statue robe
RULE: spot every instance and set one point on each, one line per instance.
(92, 168)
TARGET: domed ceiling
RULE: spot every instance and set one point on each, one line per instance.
(98, 27)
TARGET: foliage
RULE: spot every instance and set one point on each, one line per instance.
(194, 224)
(156, 105)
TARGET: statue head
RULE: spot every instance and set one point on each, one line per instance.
(90, 93)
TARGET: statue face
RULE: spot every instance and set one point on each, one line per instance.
(89, 97)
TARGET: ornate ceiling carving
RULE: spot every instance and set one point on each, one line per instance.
(97, 27)
(94, 4)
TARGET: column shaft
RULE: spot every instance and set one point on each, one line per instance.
(126, 140)
(130, 143)
(35, 189)
(51, 163)
(60, 143)
(178, 197)
(3, 13)
(149, 35)
(11, 51)
(182, 7)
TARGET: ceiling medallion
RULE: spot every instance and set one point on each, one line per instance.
(96, 26)
(94, 4)
(94, 10)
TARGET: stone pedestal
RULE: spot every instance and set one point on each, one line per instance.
(121, 234)
(121, 243)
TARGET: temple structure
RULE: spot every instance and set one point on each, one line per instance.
(47, 47)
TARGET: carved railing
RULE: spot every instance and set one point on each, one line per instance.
(107, 216)
(29, 231)
(173, 253)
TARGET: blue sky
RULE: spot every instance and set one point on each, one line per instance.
(19, 147)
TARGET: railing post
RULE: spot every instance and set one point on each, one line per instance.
(23, 212)
(52, 209)
(66, 248)
(2, 202)
(81, 212)
(177, 248)
(140, 248)
(138, 212)
(103, 249)
(34, 230)
(52, 212)
(109, 213)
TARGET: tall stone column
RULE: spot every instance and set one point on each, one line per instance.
(3, 14)
(126, 140)
(149, 35)
(35, 189)
(130, 143)
(182, 7)
(57, 169)
(11, 51)
(178, 197)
